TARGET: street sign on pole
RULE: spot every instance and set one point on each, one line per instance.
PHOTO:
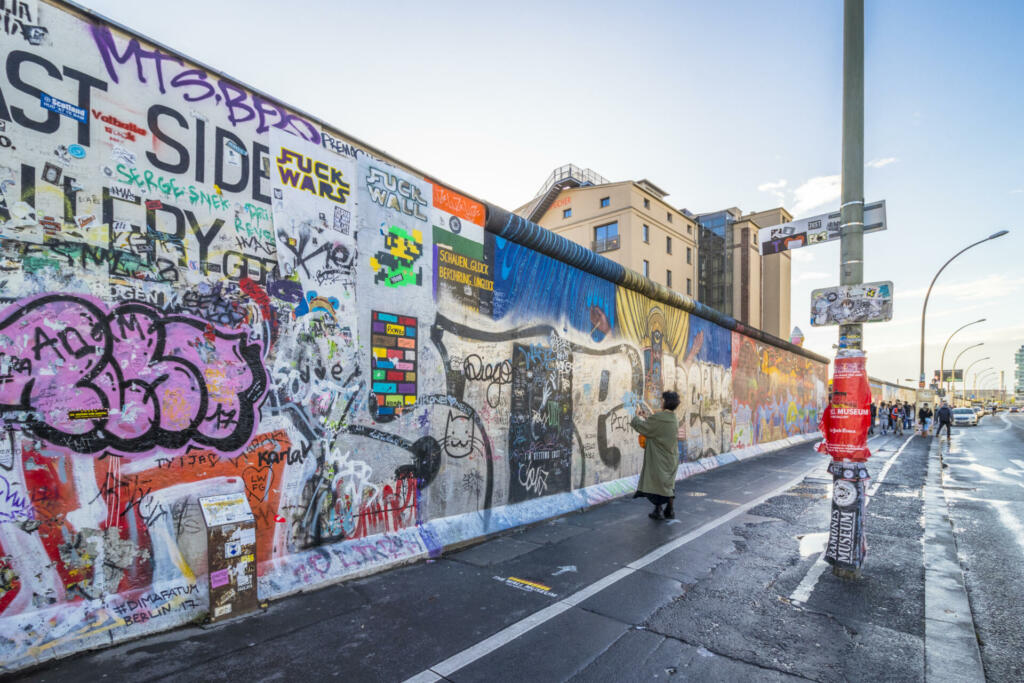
(816, 229)
(870, 302)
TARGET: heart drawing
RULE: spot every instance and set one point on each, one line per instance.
(257, 481)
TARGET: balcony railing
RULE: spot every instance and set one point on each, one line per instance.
(607, 244)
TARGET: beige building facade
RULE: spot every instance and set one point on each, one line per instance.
(628, 222)
(776, 275)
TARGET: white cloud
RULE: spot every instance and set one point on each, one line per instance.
(774, 187)
(1019, 190)
(815, 193)
(987, 288)
(802, 277)
(884, 161)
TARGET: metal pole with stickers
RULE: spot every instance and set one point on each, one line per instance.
(846, 419)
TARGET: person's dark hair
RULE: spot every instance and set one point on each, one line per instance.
(670, 400)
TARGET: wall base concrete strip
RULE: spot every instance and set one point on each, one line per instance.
(950, 642)
(347, 560)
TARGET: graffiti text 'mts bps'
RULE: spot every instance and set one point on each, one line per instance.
(184, 144)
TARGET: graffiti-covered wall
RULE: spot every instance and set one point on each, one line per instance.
(203, 291)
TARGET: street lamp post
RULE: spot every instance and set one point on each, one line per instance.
(929, 293)
(981, 373)
(942, 361)
(956, 360)
(963, 392)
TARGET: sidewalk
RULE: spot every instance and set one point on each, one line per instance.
(730, 590)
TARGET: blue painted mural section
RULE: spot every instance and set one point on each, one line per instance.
(529, 285)
(709, 342)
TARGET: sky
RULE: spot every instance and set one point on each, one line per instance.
(729, 103)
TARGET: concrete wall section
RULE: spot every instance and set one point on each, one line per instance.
(203, 291)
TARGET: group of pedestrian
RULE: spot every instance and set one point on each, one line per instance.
(893, 416)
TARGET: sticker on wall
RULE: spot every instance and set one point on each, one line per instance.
(393, 364)
(395, 265)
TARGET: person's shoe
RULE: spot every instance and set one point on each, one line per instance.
(656, 515)
(670, 513)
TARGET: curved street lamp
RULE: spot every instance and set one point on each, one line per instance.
(963, 391)
(957, 359)
(981, 374)
(929, 292)
(942, 360)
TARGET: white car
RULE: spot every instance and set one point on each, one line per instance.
(979, 411)
(964, 416)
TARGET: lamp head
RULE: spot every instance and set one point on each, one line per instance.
(998, 234)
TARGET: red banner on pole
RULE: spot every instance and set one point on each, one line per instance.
(845, 421)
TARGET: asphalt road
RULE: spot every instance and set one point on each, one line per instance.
(733, 589)
(984, 484)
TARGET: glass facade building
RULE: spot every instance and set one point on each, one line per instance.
(714, 260)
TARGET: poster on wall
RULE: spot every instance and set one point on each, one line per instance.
(870, 302)
(463, 261)
(396, 245)
(313, 200)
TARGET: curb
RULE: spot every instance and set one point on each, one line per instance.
(951, 651)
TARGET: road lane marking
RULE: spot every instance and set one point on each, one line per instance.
(1011, 523)
(803, 591)
(508, 634)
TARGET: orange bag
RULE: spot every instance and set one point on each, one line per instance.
(643, 441)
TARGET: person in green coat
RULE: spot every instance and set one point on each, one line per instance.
(660, 432)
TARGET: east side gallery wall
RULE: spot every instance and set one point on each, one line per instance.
(204, 291)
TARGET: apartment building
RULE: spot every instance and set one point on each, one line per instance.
(712, 257)
(629, 222)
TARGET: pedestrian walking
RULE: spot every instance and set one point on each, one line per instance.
(908, 415)
(897, 418)
(883, 417)
(944, 417)
(660, 430)
(925, 416)
(874, 415)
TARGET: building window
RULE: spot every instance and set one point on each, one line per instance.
(689, 287)
(566, 213)
(646, 233)
(689, 229)
(668, 245)
(647, 268)
(669, 217)
(668, 279)
(689, 256)
(606, 237)
(647, 203)
(606, 202)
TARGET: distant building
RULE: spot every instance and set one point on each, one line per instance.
(712, 257)
(629, 222)
(1018, 387)
(733, 276)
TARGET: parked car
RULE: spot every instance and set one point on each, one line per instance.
(979, 411)
(1015, 409)
(964, 416)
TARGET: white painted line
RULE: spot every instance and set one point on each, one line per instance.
(462, 659)
(1012, 524)
(803, 591)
